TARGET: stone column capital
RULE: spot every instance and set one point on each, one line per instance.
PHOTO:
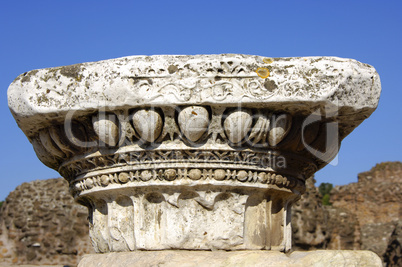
(192, 152)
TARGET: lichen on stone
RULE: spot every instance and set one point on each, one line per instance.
(26, 77)
(72, 71)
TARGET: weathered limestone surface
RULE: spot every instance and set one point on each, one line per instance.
(202, 152)
(319, 258)
(312, 228)
(305, 82)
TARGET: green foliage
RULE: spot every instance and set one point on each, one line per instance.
(325, 189)
(1, 203)
(326, 200)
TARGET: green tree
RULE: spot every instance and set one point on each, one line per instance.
(326, 200)
(325, 190)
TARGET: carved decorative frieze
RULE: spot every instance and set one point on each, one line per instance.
(192, 218)
(192, 152)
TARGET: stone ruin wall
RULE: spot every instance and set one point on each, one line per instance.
(366, 215)
(376, 201)
(41, 224)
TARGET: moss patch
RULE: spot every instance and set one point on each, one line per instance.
(42, 99)
(270, 85)
(72, 71)
(26, 77)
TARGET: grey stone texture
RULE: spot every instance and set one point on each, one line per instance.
(171, 258)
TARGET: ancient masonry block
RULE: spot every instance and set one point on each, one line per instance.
(192, 152)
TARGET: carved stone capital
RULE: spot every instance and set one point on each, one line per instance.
(192, 152)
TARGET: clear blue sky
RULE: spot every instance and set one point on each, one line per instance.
(40, 34)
